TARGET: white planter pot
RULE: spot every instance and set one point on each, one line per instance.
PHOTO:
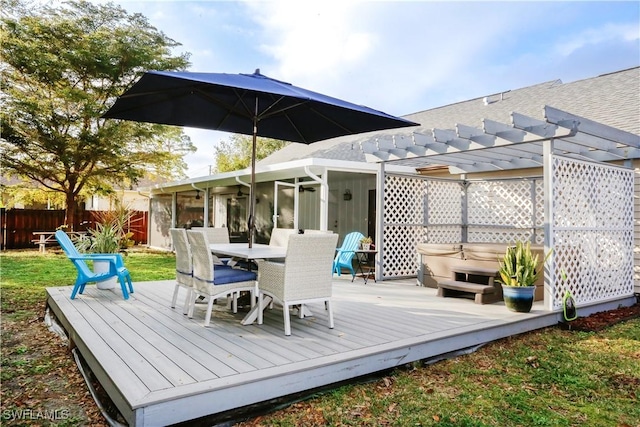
(101, 267)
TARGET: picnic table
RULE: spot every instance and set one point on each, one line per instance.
(44, 238)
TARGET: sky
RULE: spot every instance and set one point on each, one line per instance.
(399, 57)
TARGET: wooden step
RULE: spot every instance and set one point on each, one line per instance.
(481, 294)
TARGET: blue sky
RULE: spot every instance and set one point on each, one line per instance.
(398, 56)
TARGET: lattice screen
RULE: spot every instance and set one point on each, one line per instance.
(416, 210)
(539, 212)
(502, 211)
(592, 231)
(444, 211)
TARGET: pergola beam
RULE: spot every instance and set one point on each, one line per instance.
(589, 127)
(498, 146)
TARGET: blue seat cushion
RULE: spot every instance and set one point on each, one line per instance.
(224, 276)
(217, 267)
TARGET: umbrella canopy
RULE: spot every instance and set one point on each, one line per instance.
(249, 104)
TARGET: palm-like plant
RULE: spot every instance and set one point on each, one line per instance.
(110, 234)
(519, 267)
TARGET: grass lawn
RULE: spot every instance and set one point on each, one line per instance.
(549, 377)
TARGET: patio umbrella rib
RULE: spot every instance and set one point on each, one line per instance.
(232, 109)
(141, 105)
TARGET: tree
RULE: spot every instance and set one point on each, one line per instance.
(236, 153)
(62, 69)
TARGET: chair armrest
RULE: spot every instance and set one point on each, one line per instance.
(344, 251)
(114, 259)
(270, 275)
(270, 266)
(102, 255)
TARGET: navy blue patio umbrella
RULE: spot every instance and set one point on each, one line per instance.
(249, 104)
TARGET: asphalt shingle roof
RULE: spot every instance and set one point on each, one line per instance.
(612, 99)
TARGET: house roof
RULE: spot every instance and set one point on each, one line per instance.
(280, 171)
(611, 99)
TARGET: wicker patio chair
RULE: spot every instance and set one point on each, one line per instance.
(216, 235)
(184, 266)
(215, 282)
(280, 236)
(305, 277)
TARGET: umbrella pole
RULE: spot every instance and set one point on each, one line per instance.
(252, 191)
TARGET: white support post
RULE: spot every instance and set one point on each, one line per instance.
(206, 207)
(549, 267)
(324, 202)
(174, 209)
(296, 206)
(380, 176)
(324, 196)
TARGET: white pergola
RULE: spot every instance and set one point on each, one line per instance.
(588, 202)
(500, 146)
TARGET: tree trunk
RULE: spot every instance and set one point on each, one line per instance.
(70, 213)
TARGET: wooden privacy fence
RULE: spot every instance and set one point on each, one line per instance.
(18, 225)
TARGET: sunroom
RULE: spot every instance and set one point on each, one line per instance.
(304, 194)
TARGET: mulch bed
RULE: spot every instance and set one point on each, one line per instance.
(602, 319)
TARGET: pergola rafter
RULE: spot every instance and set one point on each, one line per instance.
(501, 146)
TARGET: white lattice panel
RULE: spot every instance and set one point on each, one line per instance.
(539, 202)
(417, 210)
(593, 231)
(404, 218)
(539, 214)
(444, 202)
(506, 203)
(502, 211)
(404, 200)
(400, 244)
(443, 234)
(497, 235)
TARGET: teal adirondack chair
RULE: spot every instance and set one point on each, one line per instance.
(85, 275)
(345, 253)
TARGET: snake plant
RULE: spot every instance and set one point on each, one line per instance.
(519, 267)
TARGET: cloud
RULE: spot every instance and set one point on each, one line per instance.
(310, 40)
(386, 55)
(598, 36)
(400, 56)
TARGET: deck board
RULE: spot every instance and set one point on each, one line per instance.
(161, 367)
(209, 340)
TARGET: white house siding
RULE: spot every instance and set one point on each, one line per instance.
(160, 221)
(346, 216)
(131, 199)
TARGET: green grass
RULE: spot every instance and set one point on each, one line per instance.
(549, 377)
(546, 378)
(24, 275)
(38, 371)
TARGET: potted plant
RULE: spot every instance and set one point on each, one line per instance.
(365, 243)
(110, 235)
(518, 273)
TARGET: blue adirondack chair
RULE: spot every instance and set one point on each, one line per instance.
(345, 253)
(85, 275)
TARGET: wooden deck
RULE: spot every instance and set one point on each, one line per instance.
(160, 368)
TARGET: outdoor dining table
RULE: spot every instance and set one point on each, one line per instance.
(242, 250)
(258, 251)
